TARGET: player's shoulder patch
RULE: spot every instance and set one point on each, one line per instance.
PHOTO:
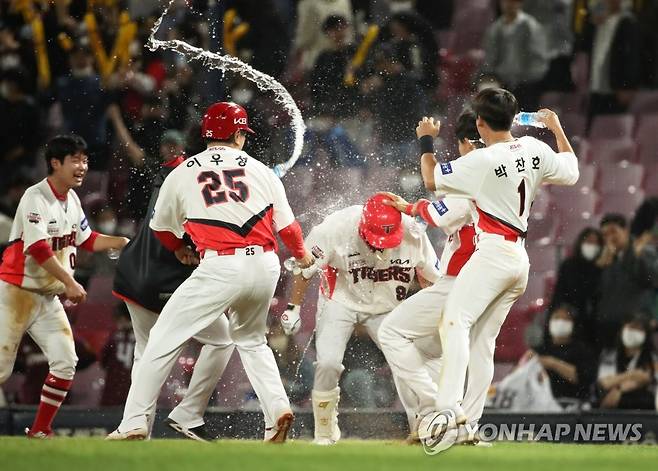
(440, 207)
(34, 218)
(84, 224)
(446, 168)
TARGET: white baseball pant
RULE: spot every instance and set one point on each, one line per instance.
(334, 326)
(208, 370)
(242, 283)
(481, 297)
(44, 319)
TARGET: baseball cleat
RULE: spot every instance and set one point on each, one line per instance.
(39, 434)
(279, 432)
(135, 434)
(413, 439)
(199, 433)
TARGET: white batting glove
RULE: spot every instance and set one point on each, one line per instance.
(290, 320)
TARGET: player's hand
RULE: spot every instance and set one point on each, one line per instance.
(306, 261)
(398, 202)
(186, 255)
(428, 127)
(550, 120)
(290, 320)
(74, 292)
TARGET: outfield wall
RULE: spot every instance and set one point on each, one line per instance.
(593, 426)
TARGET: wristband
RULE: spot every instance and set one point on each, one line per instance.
(426, 145)
(409, 210)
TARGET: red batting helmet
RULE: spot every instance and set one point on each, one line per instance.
(223, 119)
(380, 225)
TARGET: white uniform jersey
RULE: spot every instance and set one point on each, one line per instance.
(43, 215)
(363, 280)
(503, 180)
(454, 217)
(223, 199)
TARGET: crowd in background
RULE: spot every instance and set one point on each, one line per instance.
(362, 72)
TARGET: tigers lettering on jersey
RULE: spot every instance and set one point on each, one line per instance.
(377, 275)
(364, 280)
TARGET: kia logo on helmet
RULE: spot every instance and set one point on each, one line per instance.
(242, 121)
(388, 228)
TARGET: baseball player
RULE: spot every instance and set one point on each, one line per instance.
(502, 180)
(370, 256)
(419, 315)
(147, 274)
(37, 266)
(230, 205)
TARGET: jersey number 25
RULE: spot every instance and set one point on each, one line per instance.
(212, 193)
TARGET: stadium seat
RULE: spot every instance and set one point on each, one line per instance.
(612, 126)
(644, 101)
(470, 24)
(582, 205)
(586, 182)
(542, 230)
(543, 259)
(647, 138)
(651, 182)
(541, 204)
(612, 150)
(562, 103)
(570, 227)
(621, 177)
(625, 202)
(574, 124)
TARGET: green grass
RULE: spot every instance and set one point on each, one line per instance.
(93, 454)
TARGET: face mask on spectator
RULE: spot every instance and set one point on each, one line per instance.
(107, 227)
(632, 338)
(83, 72)
(242, 96)
(590, 251)
(560, 328)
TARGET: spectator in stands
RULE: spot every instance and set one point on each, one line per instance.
(556, 16)
(117, 359)
(627, 373)
(330, 95)
(578, 281)
(416, 46)
(628, 280)
(310, 40)
(20, 121)
(84, 104)
(396, 100)
(647, 14)
(566, 359)
(516, 52)
(612, 40)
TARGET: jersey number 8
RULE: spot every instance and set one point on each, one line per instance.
(238, 191)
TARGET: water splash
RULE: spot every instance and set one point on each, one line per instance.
(224, 63)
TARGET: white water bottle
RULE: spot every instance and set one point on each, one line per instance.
(525, 118)
(291, 265)
(419, 228)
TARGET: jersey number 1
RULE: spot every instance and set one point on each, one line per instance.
(521, 191)
(238, 191)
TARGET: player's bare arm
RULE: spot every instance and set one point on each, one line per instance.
(104, 242)
(552, 123)
(73, 291)
(426, 131)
